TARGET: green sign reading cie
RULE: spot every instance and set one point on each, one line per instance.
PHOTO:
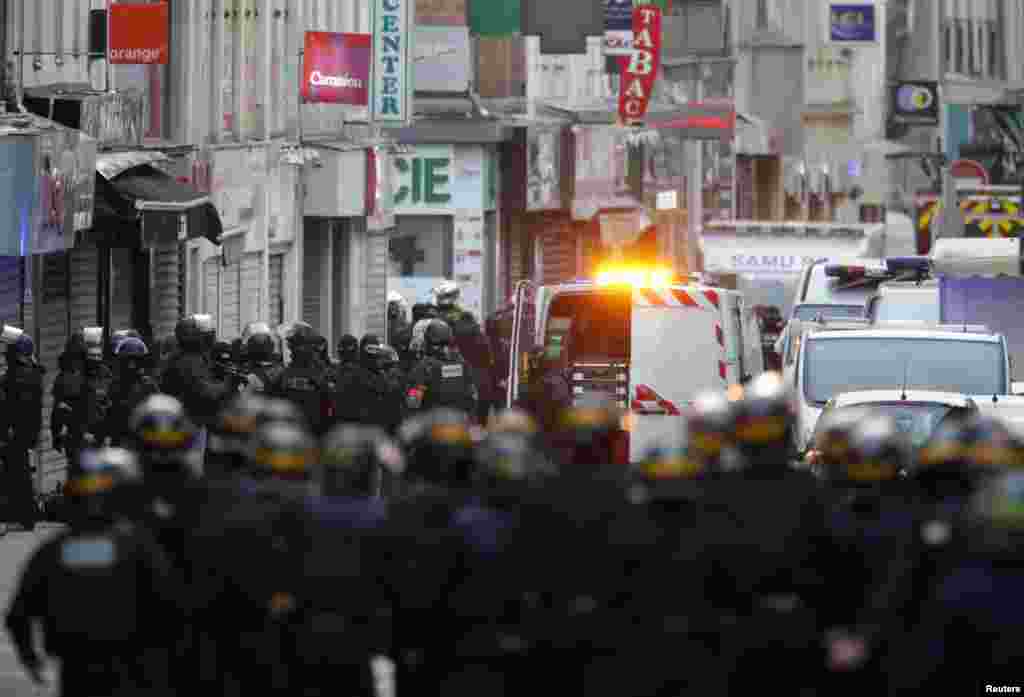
(422, 180)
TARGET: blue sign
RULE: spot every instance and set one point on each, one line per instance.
(852, 22)
(19, 193)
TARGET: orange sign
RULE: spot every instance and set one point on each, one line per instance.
(138, 33)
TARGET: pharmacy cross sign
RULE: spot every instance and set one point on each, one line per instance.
(641, 67)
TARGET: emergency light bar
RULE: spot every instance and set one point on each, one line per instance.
(634, 277)
(846, 272)
(921, 265)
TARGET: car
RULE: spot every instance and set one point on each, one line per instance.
(917, 412)
(963, 359)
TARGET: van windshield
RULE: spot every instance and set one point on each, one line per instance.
(589, 326)
(843, 364)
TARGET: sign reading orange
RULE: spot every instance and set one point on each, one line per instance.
(138, 33)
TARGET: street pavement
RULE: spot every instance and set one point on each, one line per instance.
(15, 549)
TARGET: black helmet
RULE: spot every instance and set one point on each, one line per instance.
(369, 352)
(120, 335)
(586, 430)
(666, 474)
(236, 424)
(439, 448)
(423, 311)
(282, 450)
(831, 447)
(961, 453)
(709, 429)
(764, 422)
(510, 456)
(163, 435)
(19, 344)
(437, 337)
(260, 347)
(256, 329)
(446, 294)
(354, 460)
(131, 347)
(189, 334)
(221, 353)
(878, 452)
(348, 349)
(99, 477)
(302, 338)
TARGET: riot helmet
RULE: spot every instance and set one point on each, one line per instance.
(284, 451)
(511, 457)
(446, 295)
(397, 307)
(439, 448)
(221, 353)
(256, 329)
(19, 345)
(120, 335)
(348, 349)
(189, 335)
(421, 311)
(260, 348)
(765, 417)
(163, 437)
(355, 460)
(586, 431)
(960, 454)
(369, 351)
(131, 354)
(302, 341)
(93, 488)
(437, 339)
(709, 429)
(830, 451)
(237, 423)
(878, 452)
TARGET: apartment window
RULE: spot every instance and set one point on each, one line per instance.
(975, 45)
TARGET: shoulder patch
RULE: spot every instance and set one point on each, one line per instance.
(88, 553)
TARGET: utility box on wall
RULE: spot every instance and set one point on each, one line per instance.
(336, 185)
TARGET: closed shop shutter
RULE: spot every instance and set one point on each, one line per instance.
(557, 241)
(10, 290)
(376, 291)
(252, 288)
(122, 290)
(276, 290)
(314, 247)
(490, 280)
(167, 294)
(84, 275)
(341, 283)
(52, 312)
(211, 287)
(231, 301)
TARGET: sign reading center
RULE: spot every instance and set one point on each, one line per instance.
(640, 69)
(392, 34)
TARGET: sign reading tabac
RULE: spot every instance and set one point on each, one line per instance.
(336, 68)
(391, 95)
(640, 68)
(138, 33)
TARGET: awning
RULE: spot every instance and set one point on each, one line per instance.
(698, 120)
(139, 205)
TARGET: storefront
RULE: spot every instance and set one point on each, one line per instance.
(446, 223)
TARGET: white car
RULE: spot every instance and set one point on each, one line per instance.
(964, 360)
(917, 412)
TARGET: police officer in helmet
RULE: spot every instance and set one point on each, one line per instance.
(304, 381)
(131, 386)
(21, 389)
(441, 378)
(262, 364)
(103, 578)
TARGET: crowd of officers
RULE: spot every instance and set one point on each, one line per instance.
(510, 561)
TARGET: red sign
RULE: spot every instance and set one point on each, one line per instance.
(138, 34)
(969, 169)
(336, 68)
(641, 68)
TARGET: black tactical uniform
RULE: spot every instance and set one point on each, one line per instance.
(189, 374)
(82, 401)
(103, 591)
(130, 387)
(304, 381)
(262, 367)
(21, 389)
(441, 379)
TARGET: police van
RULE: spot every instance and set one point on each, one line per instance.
(638, 336)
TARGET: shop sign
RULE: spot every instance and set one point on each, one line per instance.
(442, 61)
(618, 27)
(139, 33)
(640, 68)
(423, 179)
(19, 193)
(852, 22)
(543, 169)
(391, 96)
(439, 179)
(336, 68)
(916, 103)
(56, 166)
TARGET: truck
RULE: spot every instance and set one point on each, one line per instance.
(646, 341)
(981, 282)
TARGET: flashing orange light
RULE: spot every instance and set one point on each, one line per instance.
(634, 277)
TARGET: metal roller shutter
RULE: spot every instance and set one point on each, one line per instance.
(341, 284)
(252, 288)
(314, 246)
(376, 292)
(558, 249)
(10, 290)
(211, 287)
(276, 290)
(231, 301)
(53, 315)
(122, 290)
(490, 279)
(167, 288)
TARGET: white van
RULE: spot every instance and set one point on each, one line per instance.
(967, 360)
(899, 301)
(653, 348)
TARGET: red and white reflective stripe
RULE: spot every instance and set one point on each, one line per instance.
(723, 371)
(676, 297)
